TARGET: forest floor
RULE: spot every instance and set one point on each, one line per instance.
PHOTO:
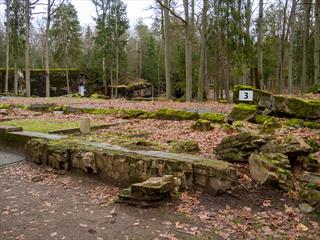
(73, 206)
(39, 203)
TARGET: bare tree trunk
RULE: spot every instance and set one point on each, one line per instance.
(117, 70)
(111, 82)
(117, 54)
(6, 83)
(248, 13)
(282, 49)
(104, 78)
(68, 82)
(290, 55)
(259, 44)
(306, 23)
(206, 78)
(316, 42)
(188, 52)
(15, 82)
(202, 51)
(46, 49)
(140, 59)
(167, 57)
(27, 48)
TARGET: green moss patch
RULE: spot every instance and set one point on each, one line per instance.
(202, 125)
(188, 146)
(242, 112)
(100, 110)
(213, 117)
(172, 114)
(41, 125)
(4, 106)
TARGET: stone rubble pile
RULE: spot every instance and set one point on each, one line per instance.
(278, 162)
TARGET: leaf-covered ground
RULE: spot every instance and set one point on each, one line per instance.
(40, 203)
(122, 104)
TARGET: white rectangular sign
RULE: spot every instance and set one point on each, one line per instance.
(246, 95)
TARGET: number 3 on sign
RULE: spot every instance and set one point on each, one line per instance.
(245, 95)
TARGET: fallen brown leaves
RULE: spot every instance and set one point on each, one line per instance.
(164, 131)
(123, 104)
(243, 222)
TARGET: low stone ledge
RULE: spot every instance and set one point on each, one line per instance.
(7, 129)
(77, 130)
(124, 166)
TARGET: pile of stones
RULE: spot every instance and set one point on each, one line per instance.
(279, 162)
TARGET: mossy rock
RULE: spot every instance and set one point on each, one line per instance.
(172, 114)
(296, 123)
(239, 88)
(242, 112)
(100, 110)
(189, 146)
(5, 106)
(227, 127)
(261, 118)
(261, 98)
(296, 108)
(213, 117)
(202, 125)
(132, 113)
(97, 96)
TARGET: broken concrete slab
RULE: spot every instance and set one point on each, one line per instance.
(149, 192)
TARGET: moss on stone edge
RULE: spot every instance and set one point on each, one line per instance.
(242, 112)
(202, 125)
(131, 113)
(213, 117)
(172, 114)
(100, 110)
(261, 118)
(5, 106)
(189, 146)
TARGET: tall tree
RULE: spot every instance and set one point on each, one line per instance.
(6, 84)
(65, 38)
(317, 42)
(306, 28)
(52, 7)
(111, 40)
(203, 46)
(259, 45)
(188, 49)
(167, 58)
(290, 53)
(282, 48)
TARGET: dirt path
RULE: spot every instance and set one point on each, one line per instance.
(39, 203)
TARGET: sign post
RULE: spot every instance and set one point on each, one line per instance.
(246, 95)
